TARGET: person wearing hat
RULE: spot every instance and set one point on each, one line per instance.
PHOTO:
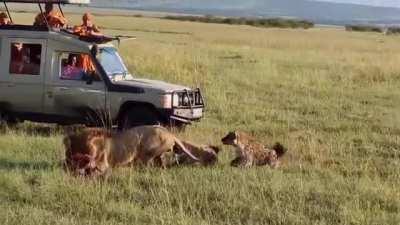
(54, 18)
(4, 20)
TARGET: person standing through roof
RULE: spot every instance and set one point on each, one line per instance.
(53, 17)
(4, 20)
(87, 29)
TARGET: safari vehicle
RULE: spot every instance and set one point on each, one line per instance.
(34, 86)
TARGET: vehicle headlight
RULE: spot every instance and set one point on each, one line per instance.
(166, 101)
(175, 100)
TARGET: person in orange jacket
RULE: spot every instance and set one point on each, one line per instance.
(88, 29)
(54, 17)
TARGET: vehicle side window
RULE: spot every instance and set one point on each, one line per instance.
(77, 66)
(25, 58)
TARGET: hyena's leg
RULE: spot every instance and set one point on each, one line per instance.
(248, 162)
(236, 162)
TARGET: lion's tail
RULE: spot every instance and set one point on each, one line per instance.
(279, 149)
(182, 146)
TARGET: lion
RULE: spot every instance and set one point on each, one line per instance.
(81, 148)
(249, 152)
(103, 150)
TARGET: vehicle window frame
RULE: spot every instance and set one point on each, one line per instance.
(59, 55)
(119, 57)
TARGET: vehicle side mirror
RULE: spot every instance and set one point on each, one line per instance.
(88, 77)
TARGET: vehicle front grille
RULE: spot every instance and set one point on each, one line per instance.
(192, 98)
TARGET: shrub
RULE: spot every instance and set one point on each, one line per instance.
(258, 22)
(392, 30)
(364, 28)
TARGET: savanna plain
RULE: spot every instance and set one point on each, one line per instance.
(332, 97)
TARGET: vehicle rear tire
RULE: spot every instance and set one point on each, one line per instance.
(139, 116)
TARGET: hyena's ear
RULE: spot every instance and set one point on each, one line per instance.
(215, 148)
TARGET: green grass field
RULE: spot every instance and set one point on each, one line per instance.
(332, 97)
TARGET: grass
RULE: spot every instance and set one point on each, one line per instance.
(331, 96)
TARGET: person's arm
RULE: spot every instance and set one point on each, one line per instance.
(77, 30)
(95, 31)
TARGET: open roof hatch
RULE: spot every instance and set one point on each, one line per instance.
(97, 40)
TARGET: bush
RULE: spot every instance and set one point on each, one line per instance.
(392, 30)
(258, 22)
(364, 28)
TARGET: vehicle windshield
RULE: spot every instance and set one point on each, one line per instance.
(113, 65)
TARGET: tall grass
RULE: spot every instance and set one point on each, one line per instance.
(331, 96)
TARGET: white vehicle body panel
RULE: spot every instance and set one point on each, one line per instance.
(47, 95)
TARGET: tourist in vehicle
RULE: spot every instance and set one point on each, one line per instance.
(16, 64)
(25, 59)
(54, 18)
(86, 63)
(88, 28)
(4, 20)
(72, 71)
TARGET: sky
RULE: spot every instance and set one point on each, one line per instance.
(388, 3)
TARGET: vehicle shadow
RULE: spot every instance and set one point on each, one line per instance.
(6, 164)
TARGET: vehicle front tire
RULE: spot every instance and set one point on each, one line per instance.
(139, 116)
(6, 119)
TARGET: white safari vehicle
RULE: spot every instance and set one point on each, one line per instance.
(40, 81)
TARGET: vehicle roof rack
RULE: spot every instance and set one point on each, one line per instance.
(39, 2)
(24, 27)
(66, 2)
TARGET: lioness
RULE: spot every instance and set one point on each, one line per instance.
(207, 155)
(136, 146)
(249, 152)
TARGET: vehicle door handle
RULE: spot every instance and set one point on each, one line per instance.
(10, 85)
(49, 94)
(63, 89)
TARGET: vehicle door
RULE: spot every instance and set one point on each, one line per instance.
(72, 91)
(22, 80)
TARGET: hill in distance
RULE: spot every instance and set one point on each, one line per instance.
(318, 12)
